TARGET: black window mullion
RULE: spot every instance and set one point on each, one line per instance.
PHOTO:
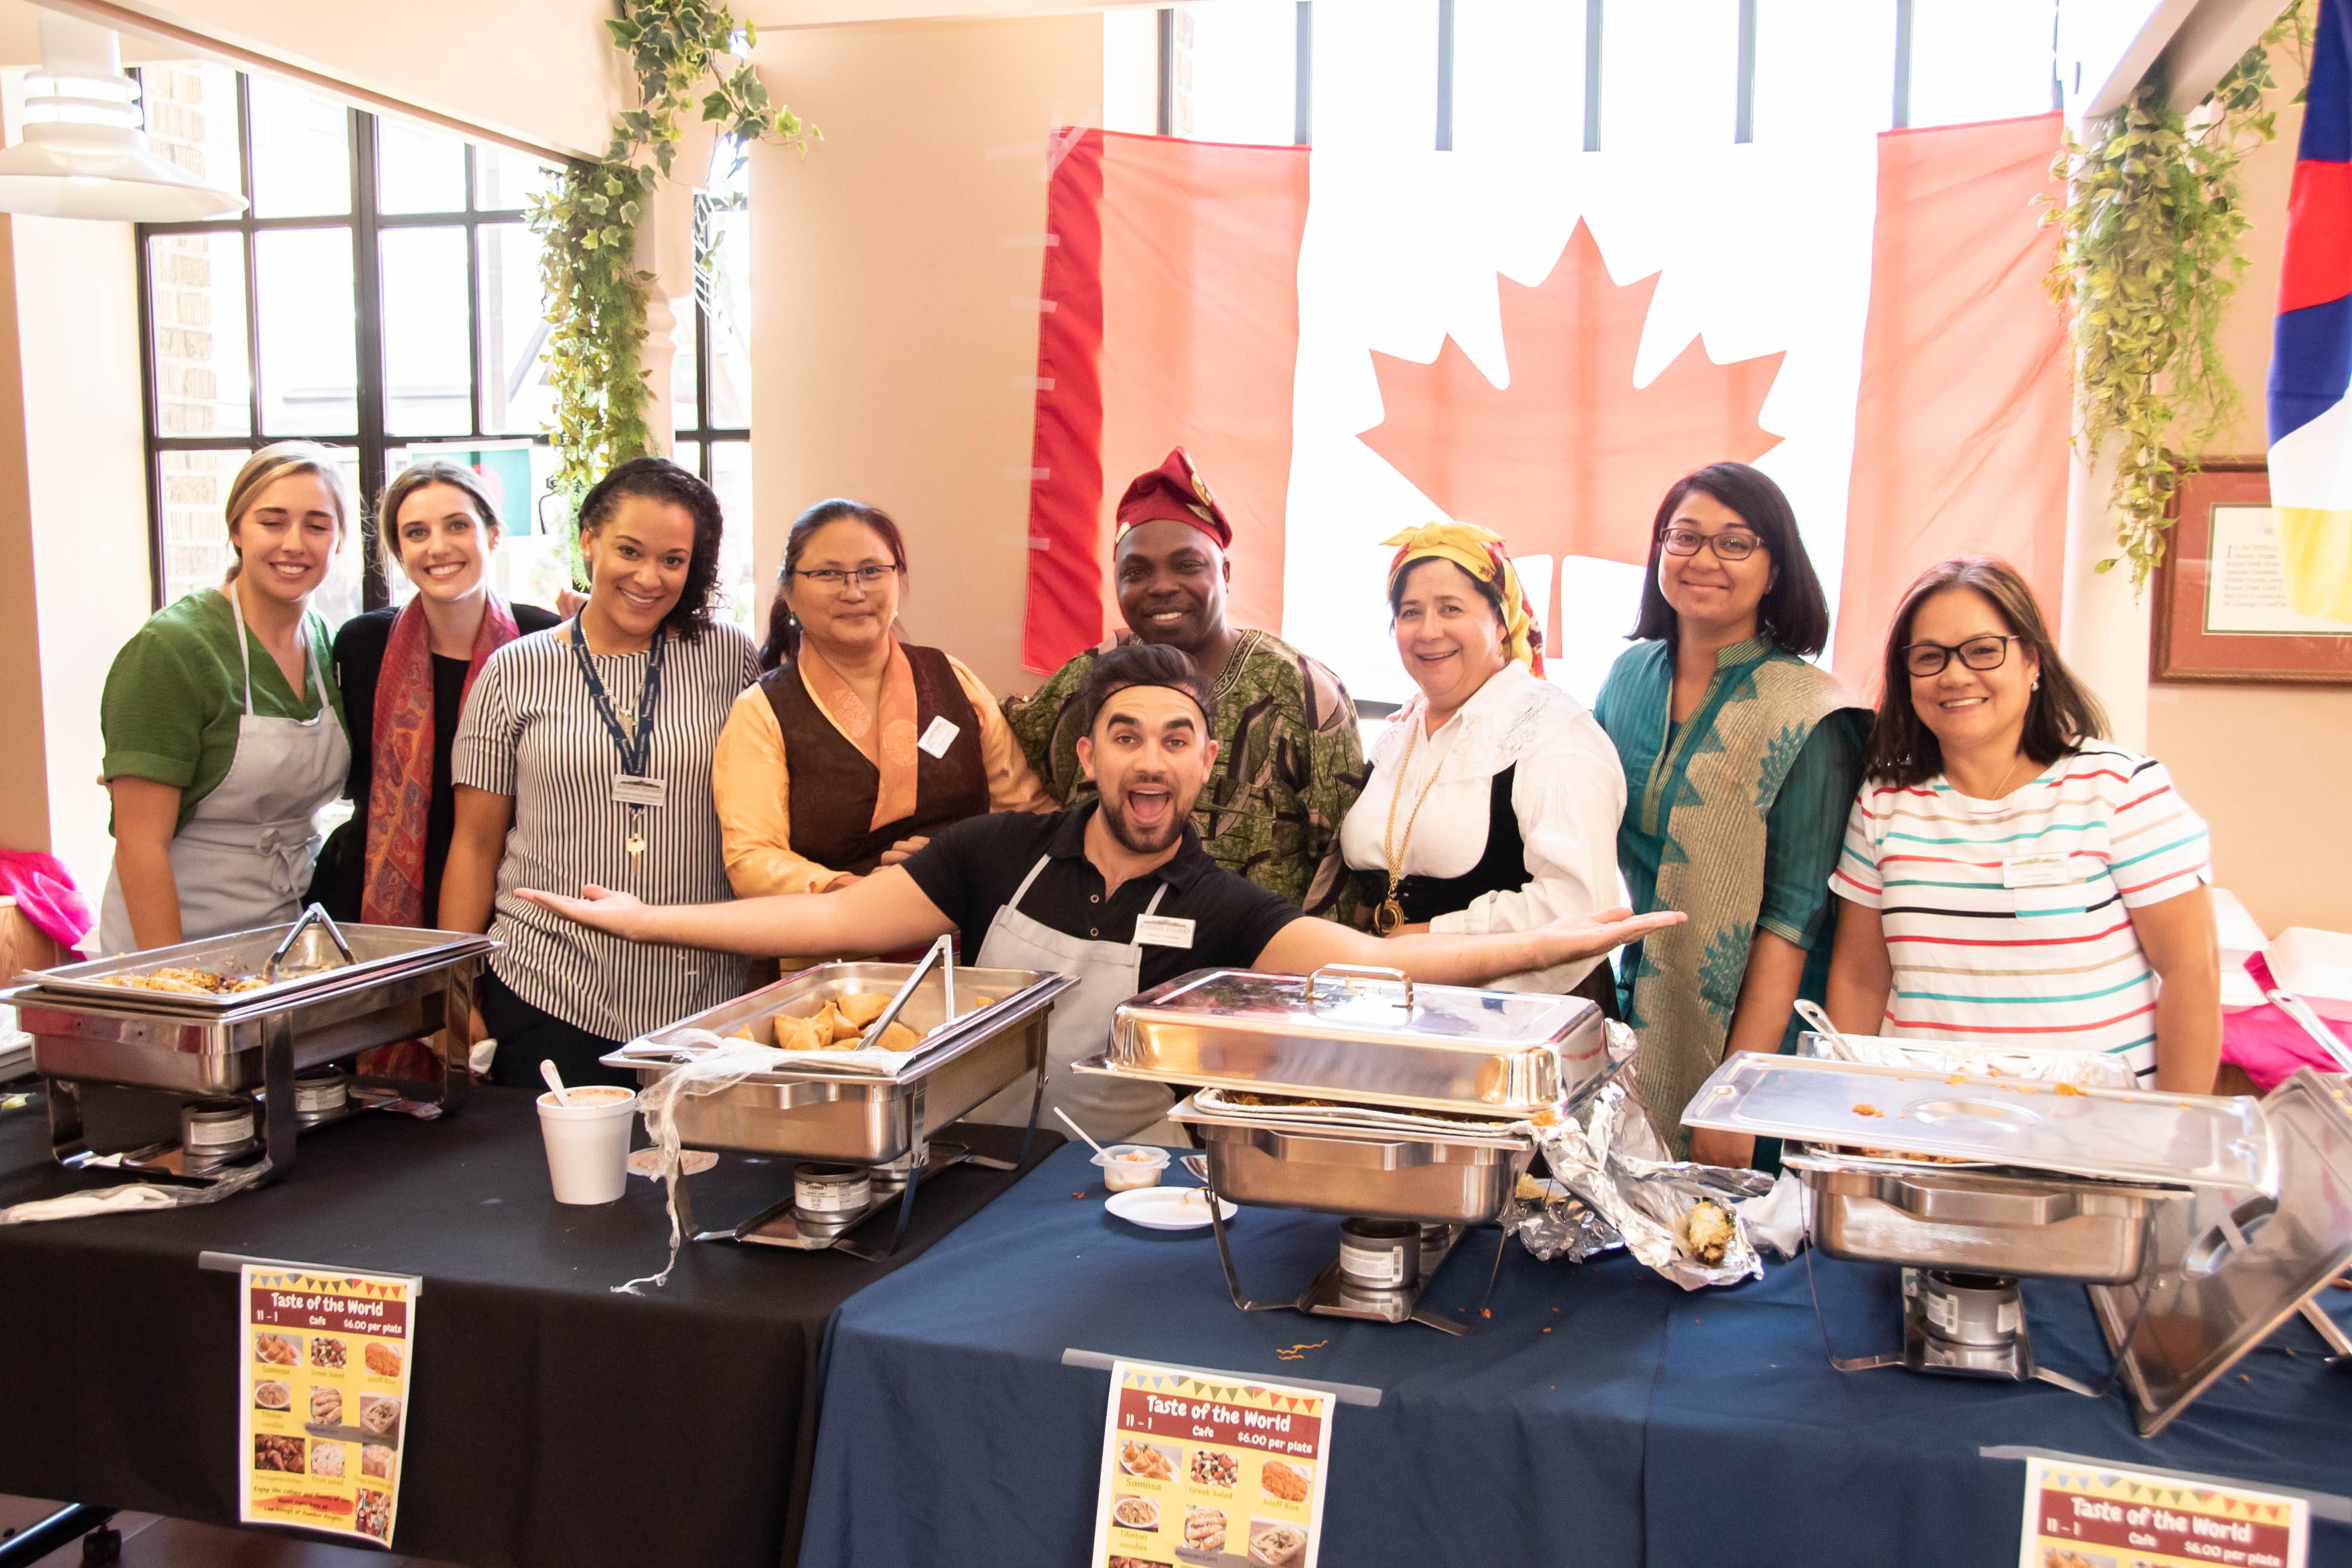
(1743, 113)
(158, 566)
(1302, 120)
(367, 278)
(252, 259)
(1902, 64)
(1593, 28)
(1445, 74)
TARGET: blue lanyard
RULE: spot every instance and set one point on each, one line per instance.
(635, 751)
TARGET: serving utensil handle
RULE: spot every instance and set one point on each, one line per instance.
(315, 913)
(1365, 970)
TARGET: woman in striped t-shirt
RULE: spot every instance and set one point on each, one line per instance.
(2013, 876)
(584, 757)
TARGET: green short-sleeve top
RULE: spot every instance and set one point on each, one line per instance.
(176, 691)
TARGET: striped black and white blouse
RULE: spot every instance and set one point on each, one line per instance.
(531, 730)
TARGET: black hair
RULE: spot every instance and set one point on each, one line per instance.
(1794, 615)
(2060, 712)
(1144, 664)
(659, 479)
(783, 639)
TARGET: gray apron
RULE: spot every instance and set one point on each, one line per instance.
(244, 859)
(1114, 1110)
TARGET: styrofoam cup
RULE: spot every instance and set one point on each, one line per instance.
(588, 1143)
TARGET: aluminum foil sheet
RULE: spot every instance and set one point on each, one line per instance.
(1612, 1163)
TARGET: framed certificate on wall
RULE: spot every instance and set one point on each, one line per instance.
(2225, 602)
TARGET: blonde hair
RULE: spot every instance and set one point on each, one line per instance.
(273, 463)
(414, 478)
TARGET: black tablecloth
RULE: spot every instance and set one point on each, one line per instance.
(553, 1421)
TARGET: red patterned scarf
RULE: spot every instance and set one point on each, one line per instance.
(400, 786)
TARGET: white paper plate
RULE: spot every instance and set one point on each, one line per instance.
(1166, 1208)
(691, 1161)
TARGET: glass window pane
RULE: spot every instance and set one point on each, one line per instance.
(196, 288)
(730, 476)
(1981, 59)
(1375, 65)
(1823, 69)
(515, 393)
(301, 152)
(683, 414)
(309, 357)
(420, 170)
(505, 182)
(191, 110)
(728, 301)
(1669, 74)
(1519, 75)
(1237, 71)
(428, 371)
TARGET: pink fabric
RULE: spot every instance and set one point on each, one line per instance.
(44, 889)
(2269, 1044)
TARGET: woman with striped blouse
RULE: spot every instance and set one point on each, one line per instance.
(585, 756)
(2009, 876)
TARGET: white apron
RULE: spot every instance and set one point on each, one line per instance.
(244, 859)
(1114, 1110)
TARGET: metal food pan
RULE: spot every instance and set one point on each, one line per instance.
(1460, 1181)
(1503, 1054)
(864, 1119)
(376, 950)
(1984, 1222)
(117, 1041)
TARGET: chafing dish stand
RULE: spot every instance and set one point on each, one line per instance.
(1970, 1183)
(860, 1143)
(325, 996)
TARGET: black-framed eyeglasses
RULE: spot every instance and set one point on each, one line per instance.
(835, 579)
(1988, 652)
(1726, 546)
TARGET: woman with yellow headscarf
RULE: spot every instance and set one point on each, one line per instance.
(1493, 797)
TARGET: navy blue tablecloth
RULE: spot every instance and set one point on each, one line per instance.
(1600, 1416)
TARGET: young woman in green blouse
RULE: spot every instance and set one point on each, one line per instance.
(224, 729)
(1742, 760)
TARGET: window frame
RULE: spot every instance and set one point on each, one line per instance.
(366, 225)
(701, 432)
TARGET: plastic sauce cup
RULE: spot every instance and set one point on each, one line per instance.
(588, 1143)
(1127, 1167)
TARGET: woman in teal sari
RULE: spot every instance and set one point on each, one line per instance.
(1741, 762)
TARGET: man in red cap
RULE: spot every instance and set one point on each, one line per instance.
(1290, 760)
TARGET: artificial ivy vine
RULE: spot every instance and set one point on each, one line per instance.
(2148, 261)
(596, 294)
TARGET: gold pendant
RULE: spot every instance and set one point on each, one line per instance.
(1388, 917)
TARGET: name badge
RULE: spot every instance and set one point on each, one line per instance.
(630, 790)
(2036, 872)
(938, 737)
(1163, 930)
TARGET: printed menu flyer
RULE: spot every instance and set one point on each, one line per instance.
(1207, 1468)
(324, 1394)
(2093, 1517)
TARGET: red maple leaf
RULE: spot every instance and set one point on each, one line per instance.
(1571, 458)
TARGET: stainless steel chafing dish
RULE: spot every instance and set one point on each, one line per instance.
(1356, 1092)
(838, 1123)
(1968, 1184)
(325, 994)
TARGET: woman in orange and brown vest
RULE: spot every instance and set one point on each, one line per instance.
(854, 747)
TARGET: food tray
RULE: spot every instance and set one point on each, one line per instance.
(859, 1117)
(2127, 1135)
(1504, 1054)
(375, 950)
(1459, 1179)
(2054, 1228)
(2084, 1069)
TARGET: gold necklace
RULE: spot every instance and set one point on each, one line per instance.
(1390, 914)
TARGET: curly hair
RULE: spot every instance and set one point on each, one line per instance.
(659, 479)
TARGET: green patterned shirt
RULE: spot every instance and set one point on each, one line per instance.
(1290, 762)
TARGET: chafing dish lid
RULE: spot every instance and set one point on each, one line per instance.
(1351, 1006)
(2131, 1135)
(377, 951)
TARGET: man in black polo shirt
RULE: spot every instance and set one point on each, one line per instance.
(1118, 892)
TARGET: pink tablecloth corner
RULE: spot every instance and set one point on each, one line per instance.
(2269, 1044)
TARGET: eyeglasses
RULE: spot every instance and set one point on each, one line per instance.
(1726, 546)
(1924, 659)
(834, 579)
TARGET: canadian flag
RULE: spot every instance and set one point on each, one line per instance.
(1351, 346)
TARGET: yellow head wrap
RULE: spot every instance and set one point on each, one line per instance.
(1480, 554)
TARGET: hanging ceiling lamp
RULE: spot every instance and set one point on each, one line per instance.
(84, 154)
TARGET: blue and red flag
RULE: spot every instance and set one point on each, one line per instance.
(2310, 344)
